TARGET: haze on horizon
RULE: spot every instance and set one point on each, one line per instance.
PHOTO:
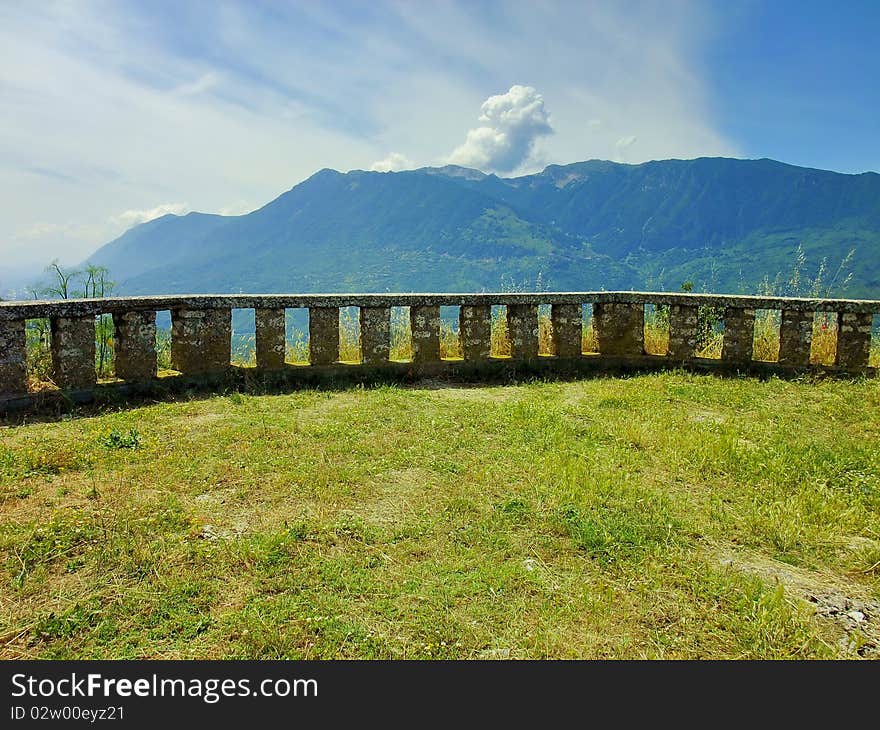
(117, 113)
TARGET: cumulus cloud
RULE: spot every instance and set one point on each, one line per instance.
(509, 126)
(131, 218)
(393, 163)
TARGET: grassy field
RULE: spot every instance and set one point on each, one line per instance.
(667, 516)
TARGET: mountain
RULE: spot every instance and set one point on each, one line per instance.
(722, 223)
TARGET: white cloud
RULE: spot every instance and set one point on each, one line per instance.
(510, 124)
(393, 163)
(131, 218)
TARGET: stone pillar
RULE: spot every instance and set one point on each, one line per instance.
(323, 335)
(375, 334)
(853, 340)
(270, 339)
(795, 337)
(424, 323)
(134, 338)
(13, 357)
(217, 338)
(568, 325)
(475, 331)
(73, 352)
(186, 326)
(739, 335)
(201, 340)
(683, 332)
(522, 327)
(620, 329)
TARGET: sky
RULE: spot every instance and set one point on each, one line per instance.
(114, 113)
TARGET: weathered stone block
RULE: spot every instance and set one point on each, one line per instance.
(425, 326)
(13, 357)
(73, 352)
(186, 327)
(568, 327)
(217, 338)
(375, 334)
(135, 344)
(683, 332)
(853, 340)
(270, 339)
(323, 335)
(795, 337)
(739, 335)
(475, 331)
(620, 329)
(201, 340)
(522, 327)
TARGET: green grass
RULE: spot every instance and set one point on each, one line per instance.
(667, 515)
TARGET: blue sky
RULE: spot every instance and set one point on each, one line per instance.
(112, 113)
(798, 81)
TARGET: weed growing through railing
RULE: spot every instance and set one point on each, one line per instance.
(766, 335)
(401, 334)
(711, 347)
(349, 335)
(450, 341)
(92, 283)
(824, 348)
(589, 342)
(500, 343)
(163, 349)
(105, 353)
(545, 330)
(657, 329)
(296, 348)
(710, 335)
(39, 357)
(243, 350)
(823, 285)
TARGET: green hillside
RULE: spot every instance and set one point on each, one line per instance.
(723, 223)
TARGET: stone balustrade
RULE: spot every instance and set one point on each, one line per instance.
(201, 333)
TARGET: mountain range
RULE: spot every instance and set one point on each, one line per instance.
(723, 224)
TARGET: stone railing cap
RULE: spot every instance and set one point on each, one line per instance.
(16, 310)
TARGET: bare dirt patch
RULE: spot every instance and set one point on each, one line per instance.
(397, 494)
(707, 417)
(849, 614)
(222, 515)
(466, 391)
